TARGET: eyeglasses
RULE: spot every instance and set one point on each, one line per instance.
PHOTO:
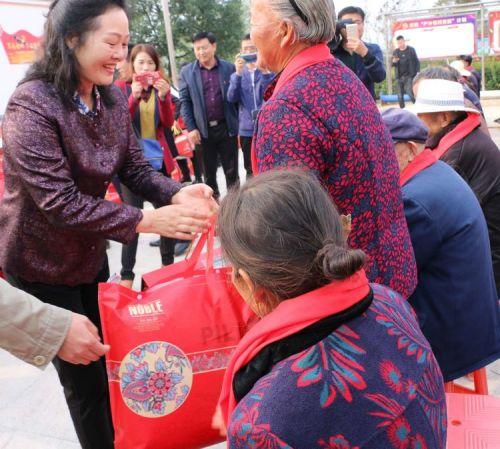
(299, 12)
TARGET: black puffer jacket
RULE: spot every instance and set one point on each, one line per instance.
(476, 159)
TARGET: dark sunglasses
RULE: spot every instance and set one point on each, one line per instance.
(299, 12)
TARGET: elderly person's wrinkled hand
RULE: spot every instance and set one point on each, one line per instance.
(199, 195)
(357, 46)
(181, 222)
(188, 215)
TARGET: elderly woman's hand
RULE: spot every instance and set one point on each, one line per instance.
(176, 221)
(198, 194)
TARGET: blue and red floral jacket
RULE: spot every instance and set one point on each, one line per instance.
(324, 119)
(371, 384)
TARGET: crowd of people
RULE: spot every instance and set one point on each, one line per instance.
(362, 327)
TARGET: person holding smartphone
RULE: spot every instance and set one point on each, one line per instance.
(149, 102)
(246, 88)
(364, 59)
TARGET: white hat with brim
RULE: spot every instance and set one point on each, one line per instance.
(440, 96)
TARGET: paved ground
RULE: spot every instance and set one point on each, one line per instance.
(33, 413)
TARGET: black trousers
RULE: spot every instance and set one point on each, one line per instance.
(220, 144)
(129, 252)
(197, 161)
(246, 148)
(85, 387)
(405, 85)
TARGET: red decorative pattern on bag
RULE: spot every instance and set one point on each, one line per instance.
(170, 345)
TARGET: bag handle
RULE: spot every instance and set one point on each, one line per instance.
(208, 239)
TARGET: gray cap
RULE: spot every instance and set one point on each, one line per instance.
(404, 125)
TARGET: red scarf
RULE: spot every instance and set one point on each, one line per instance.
(424, 160)
(306, 58)
(290, 317)
(462, 130)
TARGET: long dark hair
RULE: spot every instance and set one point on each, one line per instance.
(282, 228)
(57, 63)
(153, 54)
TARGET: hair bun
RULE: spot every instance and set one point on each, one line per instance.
(339, 262)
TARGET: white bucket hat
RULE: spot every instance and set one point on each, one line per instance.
(460, 66)
(440, 96)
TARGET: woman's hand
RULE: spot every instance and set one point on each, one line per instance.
(176, 221)
(190, 213)
(162, 87)
(136, 90)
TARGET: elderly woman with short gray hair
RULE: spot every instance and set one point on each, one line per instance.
(320, 117)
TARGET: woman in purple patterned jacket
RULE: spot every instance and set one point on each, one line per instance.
(67, 133)
(334, 362)
(319, 116)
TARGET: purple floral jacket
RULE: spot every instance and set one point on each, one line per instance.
(58, 164)
(325, 120)
(372, 384)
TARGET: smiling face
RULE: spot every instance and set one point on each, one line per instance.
(100, 50)
(264, 31)
(205, 51)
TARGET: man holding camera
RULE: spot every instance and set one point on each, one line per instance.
(364, 59)
(247, 87)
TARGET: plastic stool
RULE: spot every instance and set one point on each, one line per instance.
(473, 421)
(480, 384)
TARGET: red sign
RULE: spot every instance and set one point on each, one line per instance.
(494, 17)
(21, 47)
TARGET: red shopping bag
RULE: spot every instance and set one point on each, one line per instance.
(183, 144)
(112, 195)
(170, 345)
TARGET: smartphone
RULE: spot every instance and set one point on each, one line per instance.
(147, 79)
(249, 58)
(352, 31)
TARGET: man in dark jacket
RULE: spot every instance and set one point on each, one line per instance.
(407, 65)
(212, 121)
(457, 307)
(247, 89)
(364, 59)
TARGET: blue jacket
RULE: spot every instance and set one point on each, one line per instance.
(370, 69)
(456, 300)
(249, 96)
(192, 101)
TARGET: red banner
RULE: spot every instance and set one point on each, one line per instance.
(21, 47)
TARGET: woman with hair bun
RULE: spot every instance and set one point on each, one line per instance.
(334, 361)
